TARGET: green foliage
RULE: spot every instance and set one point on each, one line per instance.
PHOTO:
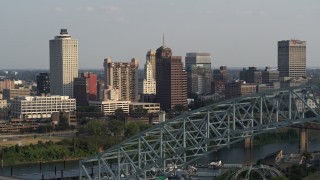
(119, 111)
(94, 127)
(200, 103)
(179, 108)
(134, 128)
(116, 127)
(131, 129)
(297, 172)
(49, 151)
(63, 124)
(289, 135)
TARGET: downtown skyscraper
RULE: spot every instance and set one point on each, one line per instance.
(199, 73)
(292, 58)
(121, 80)
(149, 82)
(171, 79)
(63, 64)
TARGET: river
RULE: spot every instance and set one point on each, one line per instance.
(226, 155)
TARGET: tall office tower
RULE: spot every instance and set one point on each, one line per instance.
(251, 75)
(270, 75)
(292, 58)
(171, 79)
(122, 78)
(43, 84)
(85, 88)
(149, 83)
(151, 56)
(63, 64)
(221, 74)
(199, 73)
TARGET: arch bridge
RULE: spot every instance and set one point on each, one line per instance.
(185, 139)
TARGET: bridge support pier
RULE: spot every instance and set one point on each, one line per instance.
(303, 146)
(248, 142)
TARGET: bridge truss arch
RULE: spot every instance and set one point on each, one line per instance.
(262, 171)
(186, 138)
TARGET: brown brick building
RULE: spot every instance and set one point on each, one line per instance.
(171, 79)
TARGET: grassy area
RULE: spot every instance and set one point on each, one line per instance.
(29, 140)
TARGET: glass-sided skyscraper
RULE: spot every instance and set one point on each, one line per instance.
(199, 73)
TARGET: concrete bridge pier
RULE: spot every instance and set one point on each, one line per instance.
(248, 142)
(303, 146)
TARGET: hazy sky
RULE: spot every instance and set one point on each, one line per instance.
(237, 33)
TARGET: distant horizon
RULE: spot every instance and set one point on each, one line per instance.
(82, 69)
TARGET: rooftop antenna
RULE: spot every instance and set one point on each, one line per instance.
(163, 39)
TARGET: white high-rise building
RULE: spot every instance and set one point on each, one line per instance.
(63, 64)
(149, 83)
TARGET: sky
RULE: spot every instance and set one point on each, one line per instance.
(237, 33)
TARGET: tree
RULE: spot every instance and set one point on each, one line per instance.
(131, 129)
(119, 111)
(63, 124)
(179, 108)
(116, 127)
(94, 127)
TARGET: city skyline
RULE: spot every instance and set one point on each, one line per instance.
(125, 30)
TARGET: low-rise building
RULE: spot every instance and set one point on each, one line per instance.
(109, 107)
(9, 94)
(40, 106)
(149, 107)
(239, 88)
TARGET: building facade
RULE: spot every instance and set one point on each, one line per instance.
(239, 88)
(149, 83)
(292, 58)
(85, 88)
(199, 73)
(6, 84)
(40, 106)
(122, 77)
(148, 107)
(43, 84)
(9, 94)
(63, 64)
(251, 75)
(109, 107)
(171, 79)
(221, 74)
(151, 57)
(270, 75)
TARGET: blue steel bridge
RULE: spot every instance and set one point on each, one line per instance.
(182, 140)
